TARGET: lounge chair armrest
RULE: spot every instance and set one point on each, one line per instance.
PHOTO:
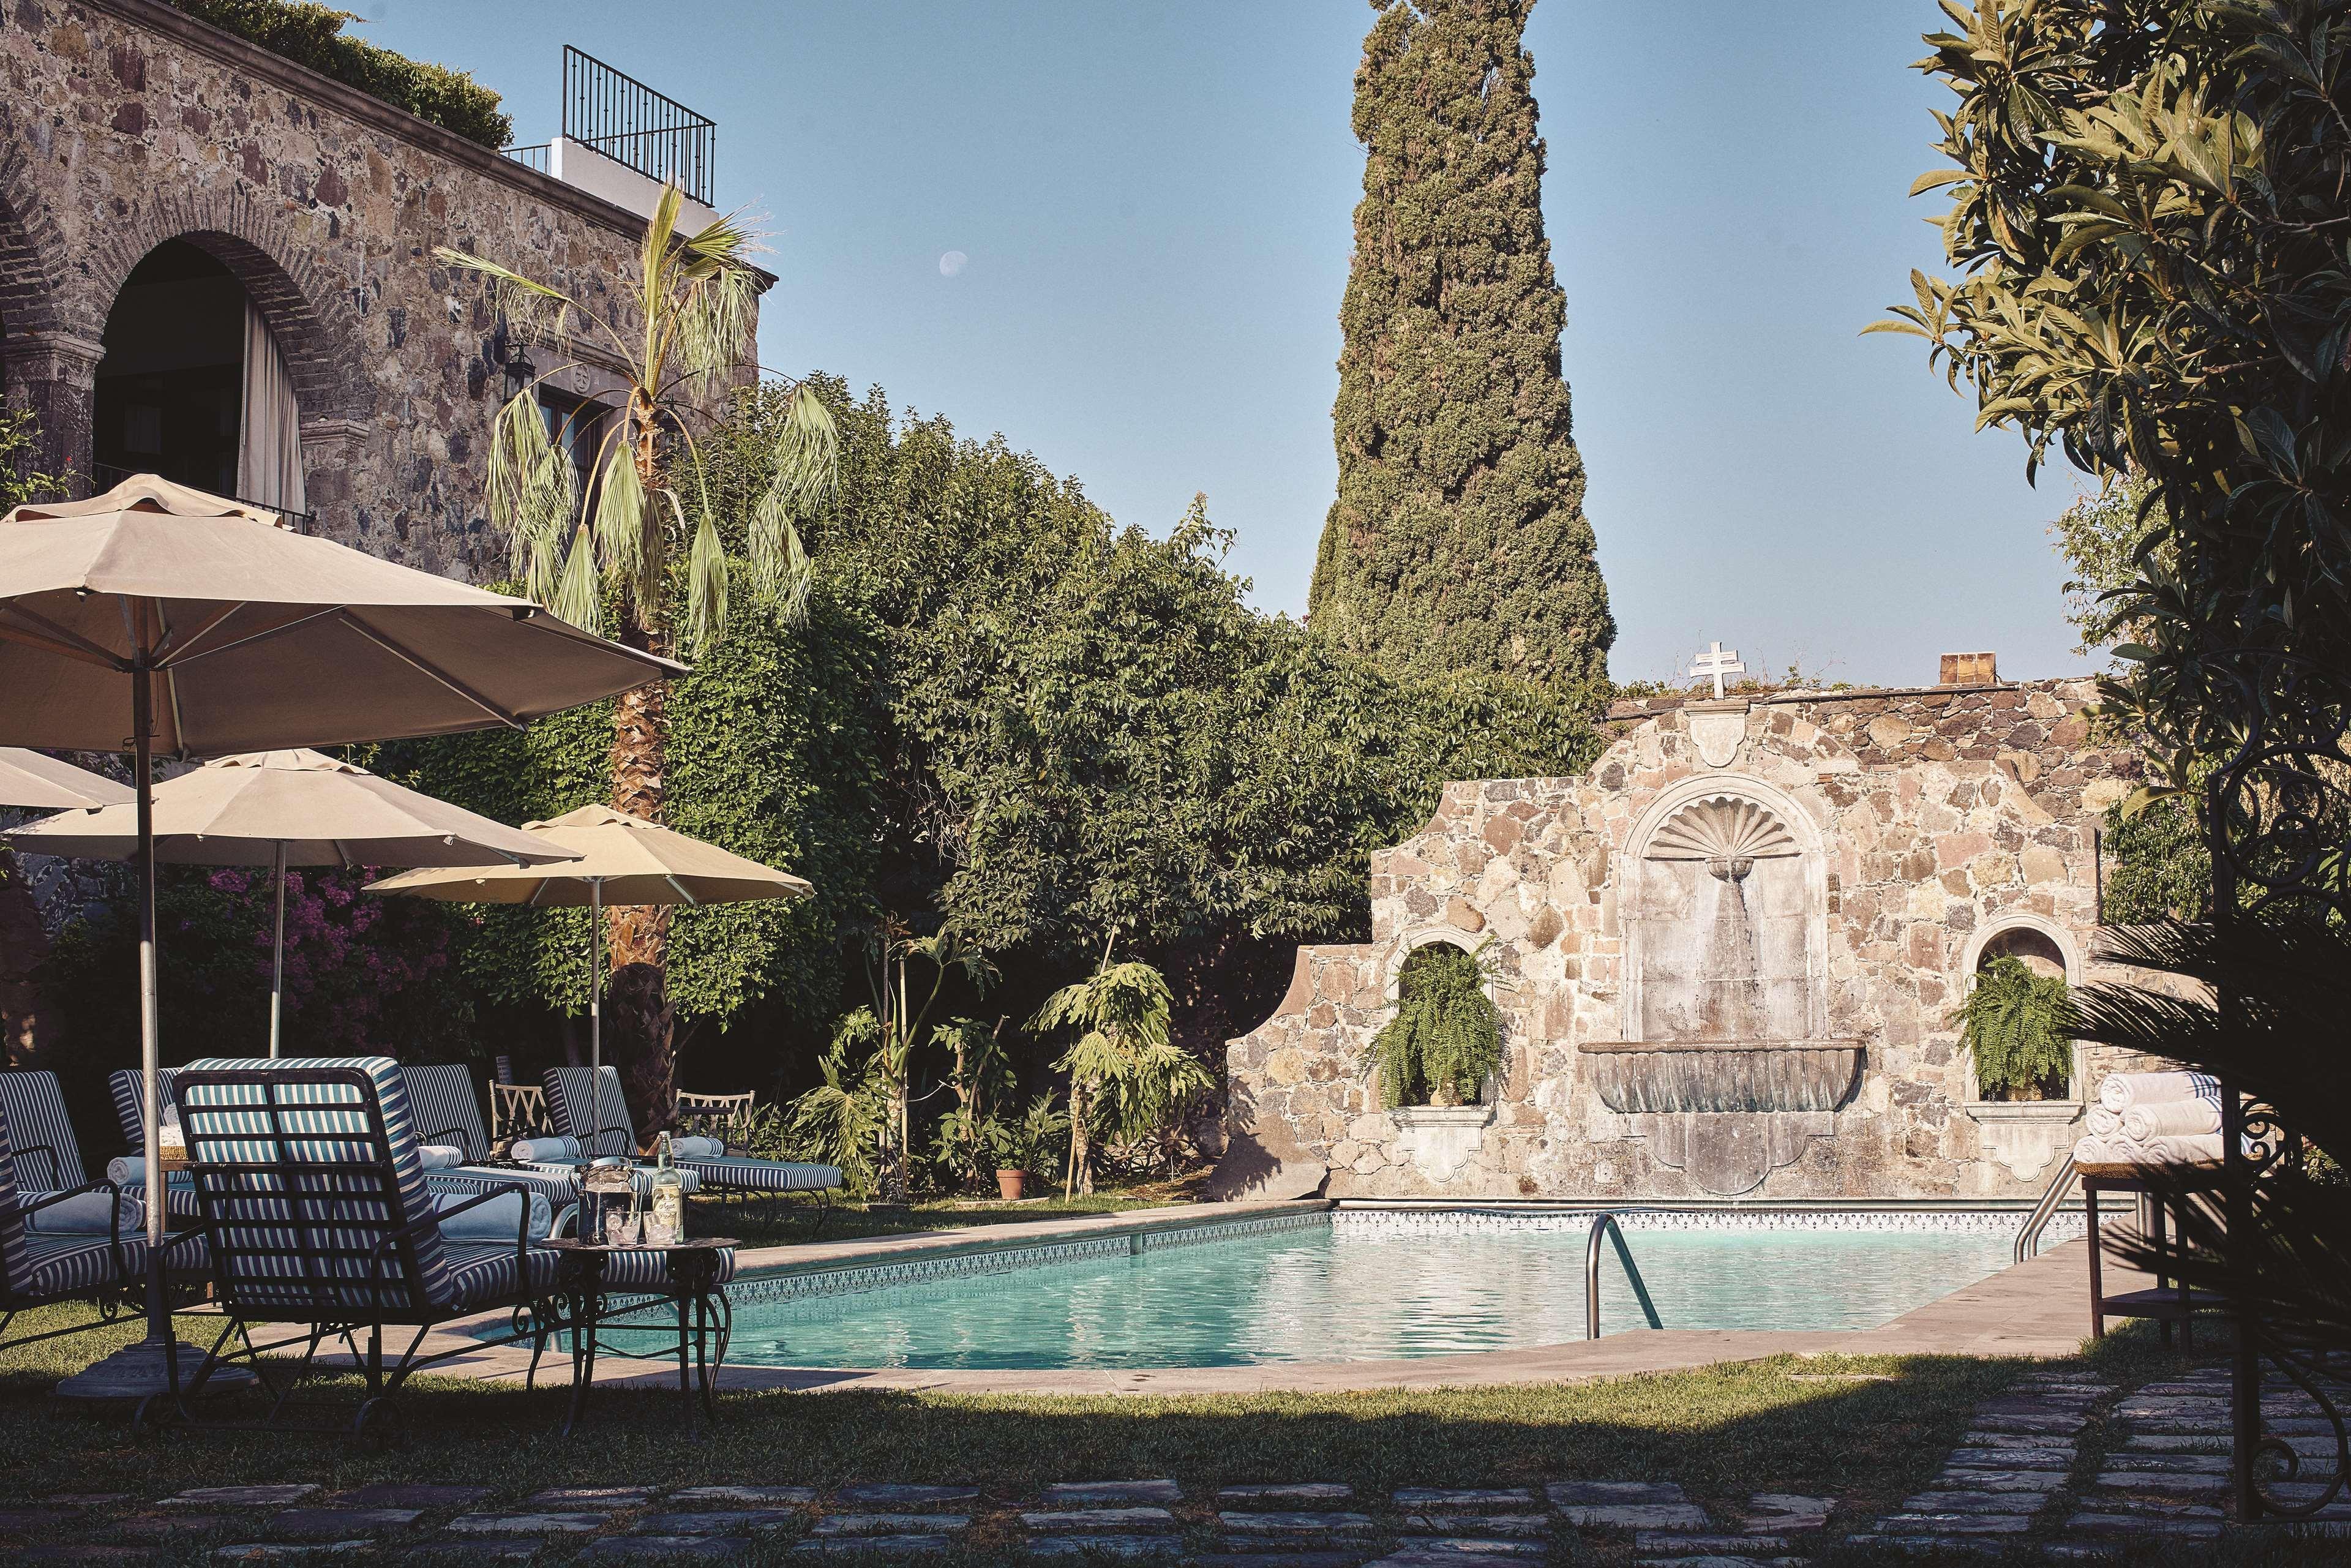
(416, 1226)
(40, 1149)
(20, 1208)
(457, 1136)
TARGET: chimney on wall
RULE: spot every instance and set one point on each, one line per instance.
(1970, 670)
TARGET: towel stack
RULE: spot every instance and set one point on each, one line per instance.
(2153, 1118)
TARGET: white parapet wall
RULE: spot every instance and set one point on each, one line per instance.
(577, 164)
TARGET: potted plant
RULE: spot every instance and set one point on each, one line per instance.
(2019, 1026)
(1021, 1148)
(1445, 1038)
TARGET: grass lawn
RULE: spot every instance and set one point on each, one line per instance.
(1723, 1432)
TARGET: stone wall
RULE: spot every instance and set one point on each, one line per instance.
(124, 123)
(1922, 823)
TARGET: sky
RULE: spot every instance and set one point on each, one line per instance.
(1117, 231)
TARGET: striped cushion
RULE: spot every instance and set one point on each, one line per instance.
(481, 1274)
(72, 1265)
(554, 1186)
(16, 1265)
(586, 1103)
(36, 1116)
(308, 1245)
(734, 1172)
(441, 1096)
(645, 1268)
(131, 1104)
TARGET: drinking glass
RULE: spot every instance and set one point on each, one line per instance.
(620, 1226)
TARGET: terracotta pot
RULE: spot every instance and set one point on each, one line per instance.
(1010, 1184)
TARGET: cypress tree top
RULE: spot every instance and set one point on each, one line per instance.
(1459, 539)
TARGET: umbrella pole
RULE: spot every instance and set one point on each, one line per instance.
(278, 952)
(596, 978)
(151, 1066)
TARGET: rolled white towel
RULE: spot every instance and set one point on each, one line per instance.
(553, 1149)
(86, 1215)
(439, 1156)
(494, 1218)
(2184, 1149)
(2170, 1118)
(2102, 1123)
(2121, 1091)
(698, 1148)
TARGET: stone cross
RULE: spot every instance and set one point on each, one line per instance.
(1718, 662)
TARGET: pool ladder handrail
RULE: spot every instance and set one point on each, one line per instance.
(1605, 1225)
(2045, 1210)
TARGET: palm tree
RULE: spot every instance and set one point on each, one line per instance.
(681, 338)
(1124, 1054)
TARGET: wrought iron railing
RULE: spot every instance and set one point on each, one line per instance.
(538, 155)
(632, 124)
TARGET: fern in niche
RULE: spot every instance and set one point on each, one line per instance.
(1446, 1039)
(2019, 1026)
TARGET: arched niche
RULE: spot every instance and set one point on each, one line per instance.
(1725, 917)
(2040, 941)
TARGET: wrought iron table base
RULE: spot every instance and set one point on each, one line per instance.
(692, 1291)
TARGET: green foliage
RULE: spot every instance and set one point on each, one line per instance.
(1124, 1072)
(312, 35)
(845, 1120)
(2159, 864)
(1459, 539)
(1447, 1037)
(19, 445)
(2101, 535)
(2018, 1024)
(2146, 219)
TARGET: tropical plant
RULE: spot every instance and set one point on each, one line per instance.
(1446, 1039)
(682, 335)
(1031, 1143)
(2018, 1025)
(968, 1133)
(898, 1024)
(1126, 1077)
(845, 1120)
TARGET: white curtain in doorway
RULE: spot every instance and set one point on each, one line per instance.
(269, 452)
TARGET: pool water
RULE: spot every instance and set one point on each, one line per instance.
(1351, 1291)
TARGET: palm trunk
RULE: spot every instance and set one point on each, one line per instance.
(637, 1006)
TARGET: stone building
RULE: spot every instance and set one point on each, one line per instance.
(1725, 958)
(156, 173)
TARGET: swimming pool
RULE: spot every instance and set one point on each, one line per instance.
(1358, 1285)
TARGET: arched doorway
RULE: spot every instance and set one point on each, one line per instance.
(193, 386)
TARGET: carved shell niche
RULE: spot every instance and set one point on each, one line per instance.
(1722, 828)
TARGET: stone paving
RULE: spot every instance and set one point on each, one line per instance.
(2077, 1465)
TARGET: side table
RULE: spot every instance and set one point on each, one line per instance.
(686, 1282)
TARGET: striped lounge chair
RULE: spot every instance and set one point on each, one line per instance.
(49, 1156)
(316, 1213)
(40, 1267)
(586, 1103)
(441, 1096)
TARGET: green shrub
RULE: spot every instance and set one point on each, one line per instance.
(311, 35)
(2018, 1024)
(1446, 1034)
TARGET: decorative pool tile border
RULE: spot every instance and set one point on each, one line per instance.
(818, 1282)
(1932, 1222)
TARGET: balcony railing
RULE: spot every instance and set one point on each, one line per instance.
(632, 124)
(538, 156)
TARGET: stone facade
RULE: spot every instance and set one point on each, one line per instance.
(124, 123)
(1857, 852)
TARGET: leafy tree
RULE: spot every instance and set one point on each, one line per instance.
(2147, 226)
(311, 35)
(1124, 1069)
(682, 335)
(1445, 1038)
(1459, 539)
(2099, 535)
(2161, 866)
(2018, 1025)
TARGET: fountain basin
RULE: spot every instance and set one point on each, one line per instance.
(1636, 1076)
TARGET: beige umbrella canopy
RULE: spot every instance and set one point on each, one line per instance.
(44, 784)
(282, 809)
(621, 860)
(155, 616)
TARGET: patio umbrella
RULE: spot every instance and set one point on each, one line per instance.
(44, 784)
(282, 809)
(156, 617)
(621, 860)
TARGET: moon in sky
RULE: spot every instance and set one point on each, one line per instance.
(952, 263)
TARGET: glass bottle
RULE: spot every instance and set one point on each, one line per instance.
(666, 1222)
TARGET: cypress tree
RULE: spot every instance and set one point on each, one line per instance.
(1459, 539)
